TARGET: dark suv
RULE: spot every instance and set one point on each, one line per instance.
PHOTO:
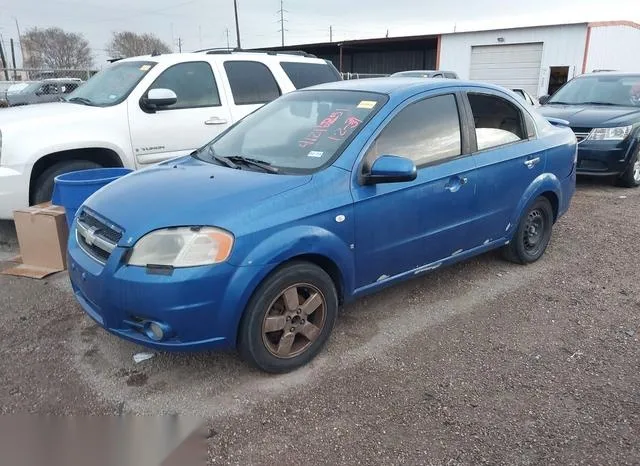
(603, 109)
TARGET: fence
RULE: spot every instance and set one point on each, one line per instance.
(32, 74)
(362, 75)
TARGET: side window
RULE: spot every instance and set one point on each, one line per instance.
(49, 89)
(251, 82)
(67, 88)
(437, 75)
(450, 75)
(498, 121)
(426, 131)
(192, 82)
(309, 74)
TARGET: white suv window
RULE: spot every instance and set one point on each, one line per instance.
(193, 83)
(251, 82)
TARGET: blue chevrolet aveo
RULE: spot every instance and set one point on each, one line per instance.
(319, 197)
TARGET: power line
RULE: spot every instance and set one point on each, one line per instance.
(282, 11)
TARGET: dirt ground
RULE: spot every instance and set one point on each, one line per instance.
(481, 363)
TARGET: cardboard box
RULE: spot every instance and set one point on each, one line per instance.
(42, 235)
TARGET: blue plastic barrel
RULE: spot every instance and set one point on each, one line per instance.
(70, 190)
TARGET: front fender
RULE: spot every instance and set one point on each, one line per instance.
(298, 240)
(547, 182)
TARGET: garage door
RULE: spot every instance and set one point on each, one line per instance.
(511, 66)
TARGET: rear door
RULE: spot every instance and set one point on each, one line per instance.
(199, 115)
(508, 157)
(250, 85)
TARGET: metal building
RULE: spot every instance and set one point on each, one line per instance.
(538, 59)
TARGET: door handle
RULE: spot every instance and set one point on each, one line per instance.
(532, 162)
(455, 183)
(215, 121)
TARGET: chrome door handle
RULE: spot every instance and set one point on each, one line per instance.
(216, 121)
(532, 162)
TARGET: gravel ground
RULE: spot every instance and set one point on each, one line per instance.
(481, 363)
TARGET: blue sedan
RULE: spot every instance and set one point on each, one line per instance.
(320, 197)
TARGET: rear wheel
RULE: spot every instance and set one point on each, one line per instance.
(631, 177)
(289, 318)
(533, 234)
(44, 183)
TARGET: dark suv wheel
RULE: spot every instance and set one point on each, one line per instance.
(44, 183)
(631, 177)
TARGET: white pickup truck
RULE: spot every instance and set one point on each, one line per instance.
(140, 111)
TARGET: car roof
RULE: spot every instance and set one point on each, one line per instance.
(220, 55)
(400, 85)
(620, 74)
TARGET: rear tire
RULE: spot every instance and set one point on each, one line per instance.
(289, 318)
(631, 177)
(44, 183)
(533, 234)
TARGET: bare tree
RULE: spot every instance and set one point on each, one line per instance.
(129, 44)
(55, 48)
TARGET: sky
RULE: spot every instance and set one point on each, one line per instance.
(203, 23)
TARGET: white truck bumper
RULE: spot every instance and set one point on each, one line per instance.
(14, 191)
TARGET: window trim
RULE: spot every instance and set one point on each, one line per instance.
(472, 125)
(165, 109)
(465, 147)
(233, 97)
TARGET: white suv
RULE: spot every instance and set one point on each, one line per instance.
(140, 111)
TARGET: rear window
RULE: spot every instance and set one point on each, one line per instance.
(309, 74)
(251, 82)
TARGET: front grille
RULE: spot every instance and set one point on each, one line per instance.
(102, 228)
(99, 254)
(95, 237)
(581, 133)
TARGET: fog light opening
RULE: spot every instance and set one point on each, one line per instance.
(156, 331)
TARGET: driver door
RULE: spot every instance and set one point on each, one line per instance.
(403, 226)
(199, 115)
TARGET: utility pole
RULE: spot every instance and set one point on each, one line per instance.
(20, 41)
(226, 30)
(180, 44)
(235, 9)
(13, 61)
(4, 60)
(282, 11)
(330, 33)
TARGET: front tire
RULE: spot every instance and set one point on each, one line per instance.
(533, 234)
(289, 318)
(43, 189)
(631, 177)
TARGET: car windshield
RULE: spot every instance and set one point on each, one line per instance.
(298, 132)
(112, 85)
(25, 89)
(600, 90)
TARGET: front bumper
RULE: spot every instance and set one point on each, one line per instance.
(202, 305)
(14, 191)
(605, 158)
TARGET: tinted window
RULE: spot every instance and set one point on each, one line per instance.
(68, 87)
(193, 83)
(309, 74)
(251, 82)
(497, 121)
(49, 89)
(425, 132)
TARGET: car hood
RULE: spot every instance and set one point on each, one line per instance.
(592, 116)
(187, 192)
(46, 113)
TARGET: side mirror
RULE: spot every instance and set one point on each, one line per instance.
(391, 169)
(544, 99)
(157, 98)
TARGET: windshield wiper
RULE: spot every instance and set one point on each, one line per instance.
(598, 103)
(81, 100)
(560, 103)
(265, 166)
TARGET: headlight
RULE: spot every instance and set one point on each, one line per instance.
(610, 134)
(182, 247)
